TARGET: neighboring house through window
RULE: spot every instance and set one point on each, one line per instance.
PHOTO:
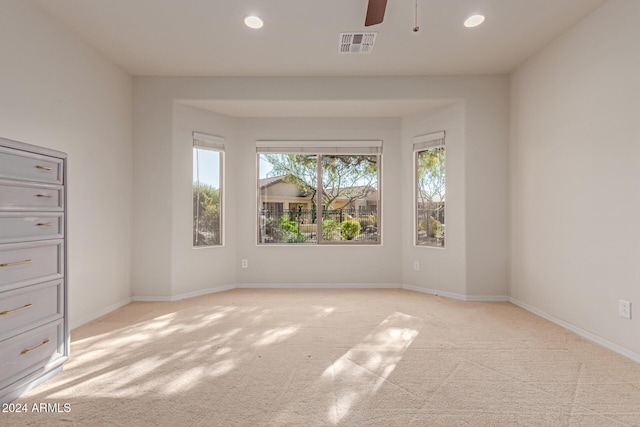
(319, 192)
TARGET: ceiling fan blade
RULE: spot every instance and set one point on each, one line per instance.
(375, 12)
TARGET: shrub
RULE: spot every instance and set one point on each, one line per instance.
(435, 227)
(272, 229)
(330, 230)
(296, 238)
(422, 223)
(367, 221)
(290, 231)
(206, 216)
(350, 229)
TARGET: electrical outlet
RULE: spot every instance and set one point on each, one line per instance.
(245, 263)
(416, 265)
(624, 309)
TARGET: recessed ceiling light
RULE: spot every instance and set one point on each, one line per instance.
(474, 21)
(253, 21)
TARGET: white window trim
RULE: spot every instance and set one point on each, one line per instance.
(427, 141)
(423, 143)
(204, 140)
(214, 143)
(320, 147)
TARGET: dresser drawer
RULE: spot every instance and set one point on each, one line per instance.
(25, 308)
(23, 227)
(15, 195)
(29, 352)
(30, 263)
(22, 165)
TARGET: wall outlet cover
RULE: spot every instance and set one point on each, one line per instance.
(624, 309)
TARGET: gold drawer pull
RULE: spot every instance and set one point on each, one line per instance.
(44, 224)
(11, 264)
(4, 313)
(29, 350)
(44, 168)
(48, 196)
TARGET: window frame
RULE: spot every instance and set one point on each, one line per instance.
(202, 141)
(319, 149)
(421, 144)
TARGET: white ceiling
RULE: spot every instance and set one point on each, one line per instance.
(300, 37)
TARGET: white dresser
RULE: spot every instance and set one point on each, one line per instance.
(34, 334)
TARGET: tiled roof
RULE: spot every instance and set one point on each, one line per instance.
(265, 182)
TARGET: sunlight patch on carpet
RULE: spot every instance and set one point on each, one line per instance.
(375, 358)
(275, 335)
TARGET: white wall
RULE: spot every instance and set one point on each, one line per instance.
(574, 160)
(442, 270)
(473, 264)
(210, 268)
(58, 93)
(159, 182)
(152, 192)
(320, 264)
(486, 136)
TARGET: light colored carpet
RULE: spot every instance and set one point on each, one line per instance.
(334, 357)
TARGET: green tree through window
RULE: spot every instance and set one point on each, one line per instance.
(430, 193)
(292, 185)
(207, 195)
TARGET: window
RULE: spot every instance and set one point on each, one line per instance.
(430, 191)
(323, 192)
(208, 161)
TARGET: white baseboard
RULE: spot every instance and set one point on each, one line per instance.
(581, 332)
(106, 310)
(184, 295)
(151, 298)
(460, 297)
(487, 298)
(320, 286)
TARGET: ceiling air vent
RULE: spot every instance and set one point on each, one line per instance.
(356, 42)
